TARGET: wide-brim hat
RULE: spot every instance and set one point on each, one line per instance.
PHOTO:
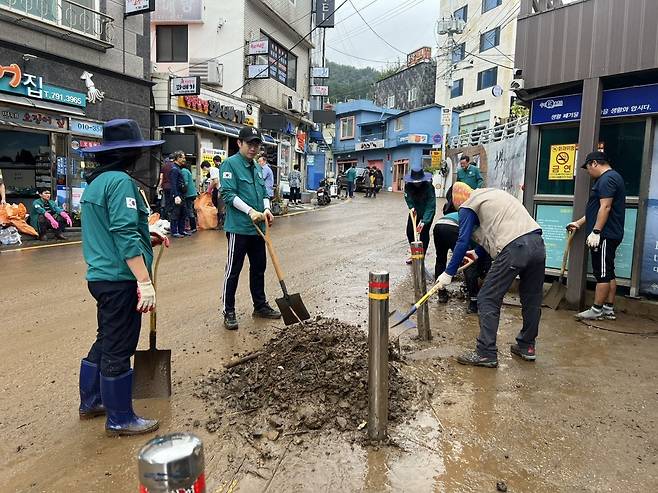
(121, 134)
(417, 176)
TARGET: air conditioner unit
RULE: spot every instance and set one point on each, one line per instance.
(210, 71)
(292, 104)
(306, 106)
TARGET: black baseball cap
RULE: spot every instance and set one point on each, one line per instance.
(250, 134)
(597, 156)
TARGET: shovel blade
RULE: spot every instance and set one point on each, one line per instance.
(397, 317)
(555, 295)
(292, 309)
(152, 374)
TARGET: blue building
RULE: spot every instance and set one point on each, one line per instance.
(389, 139)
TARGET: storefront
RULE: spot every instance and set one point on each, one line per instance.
(46, 117)
(628, 136)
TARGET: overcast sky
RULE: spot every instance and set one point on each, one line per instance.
(406, 24)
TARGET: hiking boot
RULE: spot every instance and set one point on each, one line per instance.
(443, 296)
(527, 354)
(230, 322)
(472, 306)
(609, 313)
(266, 311)
(474, 359)
(592, 313)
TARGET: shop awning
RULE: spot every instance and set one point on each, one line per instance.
(187, 120)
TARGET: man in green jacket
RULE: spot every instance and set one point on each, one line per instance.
(469, 173)
(350, 177)
(46, 215)
(247, 203)
(117, 247)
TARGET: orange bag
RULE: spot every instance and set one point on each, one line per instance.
(206, 212)
(15, 215)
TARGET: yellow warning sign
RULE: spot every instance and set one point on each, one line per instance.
(563, 162)
(436, 158)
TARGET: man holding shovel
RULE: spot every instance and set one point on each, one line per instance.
(502, 227)
(247, 203)
(117, 247)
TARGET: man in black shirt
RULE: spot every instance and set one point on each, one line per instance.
(604, 222)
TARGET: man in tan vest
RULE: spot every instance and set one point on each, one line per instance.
(502, 228)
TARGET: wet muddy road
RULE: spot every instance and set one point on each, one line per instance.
(582, 418)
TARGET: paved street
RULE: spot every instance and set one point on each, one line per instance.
(582, 418)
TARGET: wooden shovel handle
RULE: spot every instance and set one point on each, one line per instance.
(412, 213)
(270, 248)
(153, 316)
(570, 236)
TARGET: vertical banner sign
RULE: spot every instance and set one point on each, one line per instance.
(446, 117)
(324, 14)
(136, 7)
(563, 162)
(649, 270)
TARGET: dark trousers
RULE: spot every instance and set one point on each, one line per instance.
(178, 217)
(295, 195)
(350, 189)
(368, 191)
(119, 324)
(45, 226)
(252, 246)
(524, 257)
(168, 204)
(376, 190)
(218, 202)
(191, 214)
(445, 239)
(424, 234)
(474, 273)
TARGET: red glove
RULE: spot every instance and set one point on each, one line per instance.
(67, 218)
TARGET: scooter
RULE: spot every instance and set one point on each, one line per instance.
(323, 193)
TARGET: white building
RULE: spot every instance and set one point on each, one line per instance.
(215, 40)
(476, 70)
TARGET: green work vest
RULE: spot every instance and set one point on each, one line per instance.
(189, 183)
(240, 177)
(114, 227)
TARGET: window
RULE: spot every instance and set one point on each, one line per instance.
(390, 102)
(291, 80)
(457, 88)
(398, 125)
(467, 123)
(347, 128)
(171, 43)
(461, 13)
(412, 94)
(487, 78)
(490, 39)
(282, 63)
(459, 53)
(490, 4)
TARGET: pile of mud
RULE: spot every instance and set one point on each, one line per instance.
(311, 376)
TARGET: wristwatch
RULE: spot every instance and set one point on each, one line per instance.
(596, 231)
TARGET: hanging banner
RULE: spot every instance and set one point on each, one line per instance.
(563, 162)
(33, 119)
(324, 13)
(186, 86)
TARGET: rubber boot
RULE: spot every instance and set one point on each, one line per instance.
(121, 419)
(90, 390)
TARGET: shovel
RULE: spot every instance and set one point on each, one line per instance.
(291, 306)
(152, 369)
(556, 293)
(398, 317)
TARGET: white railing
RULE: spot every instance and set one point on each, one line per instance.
(491, 134)
(65, 14)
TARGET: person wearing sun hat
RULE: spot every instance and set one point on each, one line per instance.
(503, 229)
(421, 200)
(117, 247)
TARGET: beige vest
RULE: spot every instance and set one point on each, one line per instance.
(502, 219)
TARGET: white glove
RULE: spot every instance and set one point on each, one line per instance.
(444, 280)
(145, 297)
(177, 200)
(256, 216)
(593, 240)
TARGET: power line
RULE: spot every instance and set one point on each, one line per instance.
(385, 16)
(387, 62)
(375, 32)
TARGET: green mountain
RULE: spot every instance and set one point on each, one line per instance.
(347, 82)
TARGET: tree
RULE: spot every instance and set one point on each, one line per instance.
(347, 82)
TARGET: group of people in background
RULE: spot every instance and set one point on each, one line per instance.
(373, 181)
(179, 192)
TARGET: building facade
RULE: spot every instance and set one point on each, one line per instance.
(411, 87)
(590, 80)
(251, 55)
(476, 65)
(63, 73)
(388, 139)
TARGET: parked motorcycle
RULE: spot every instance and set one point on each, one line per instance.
(323, 193)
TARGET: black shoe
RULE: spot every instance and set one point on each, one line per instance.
(472, 306)
(266, 311)
(60, 236)
(443, 296)
(526, 354)
(230, 322)
(474, 359)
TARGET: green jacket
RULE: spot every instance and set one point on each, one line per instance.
(240, 177)
(351, 174)
(425, 208)
(471, 176)
(189, 183)
(38, 209)
(114, 227)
